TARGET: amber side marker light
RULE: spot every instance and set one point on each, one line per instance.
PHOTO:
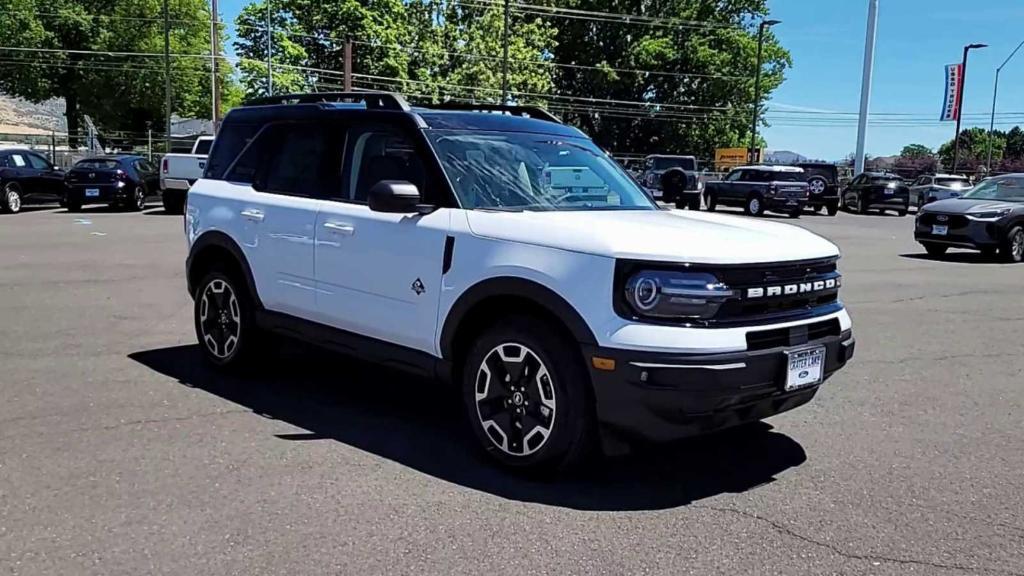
(603, 363)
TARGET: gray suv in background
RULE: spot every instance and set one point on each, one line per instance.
(989, 218)
(674, 179)
(933, 187)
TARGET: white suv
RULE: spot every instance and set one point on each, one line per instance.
(498, 249)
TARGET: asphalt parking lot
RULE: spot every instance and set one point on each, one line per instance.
(121, 454)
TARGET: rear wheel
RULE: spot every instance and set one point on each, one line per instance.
(1012, 249)
(816, 185)
(173, 204)
(11, 200)
(754, 206)
(862, 208)
(527, 395)
(138, 201)
(712, 203)
(832, 207)
(224, 321)
(935, 249)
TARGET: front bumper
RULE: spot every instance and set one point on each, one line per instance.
(662, 397)
(976, 234)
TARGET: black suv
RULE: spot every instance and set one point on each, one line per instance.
(877, 191)
(28, 178)
(822, 186)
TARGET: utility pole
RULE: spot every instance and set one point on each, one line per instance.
(865, 86)
(960, 103)
(348, 66)
(214, 55)
(504, 58)
(270, 54)
(752, 153)
(995, 91)
(167, 76)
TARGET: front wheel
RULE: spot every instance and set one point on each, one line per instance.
(754, 206)
(527, 396)
(173, 204)
(11, 200)
(1012, 249)
(693, 203)
(712, 203)
(935, 249)
(138, 201)
(794, 213)
(862, 208)
(832, 207)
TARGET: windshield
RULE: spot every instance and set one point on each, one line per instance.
(662, 163)
(958, 183)
(519, 171)
(97, 164)
(1008, 188)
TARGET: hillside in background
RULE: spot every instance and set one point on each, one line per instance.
(19, 116)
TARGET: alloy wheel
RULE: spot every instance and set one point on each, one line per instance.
(515, 399)
(1017, 245)
(13, 199)
(140, 198)
(817, 186)
(220, 319)
(755, 206)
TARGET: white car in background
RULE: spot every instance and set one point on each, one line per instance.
(932, 187)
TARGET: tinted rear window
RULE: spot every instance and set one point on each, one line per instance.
(953, 182)
(885, 179)
(97, 164)
(786, 177)
(666, 163)
(231, 140)
(203, 146)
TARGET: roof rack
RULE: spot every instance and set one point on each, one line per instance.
(372, 100)
(535, 112)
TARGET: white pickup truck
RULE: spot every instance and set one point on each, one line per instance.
(179, 171)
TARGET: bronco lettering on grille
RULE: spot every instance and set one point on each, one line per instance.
(794, 289)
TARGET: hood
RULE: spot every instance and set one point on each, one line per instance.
(656, 235)
(965, 205)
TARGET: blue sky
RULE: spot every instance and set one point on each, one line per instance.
(916, 38)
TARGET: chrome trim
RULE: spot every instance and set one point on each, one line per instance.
(734, 366)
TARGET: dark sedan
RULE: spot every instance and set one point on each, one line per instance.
(877, 191)
(26, 177)
(989, 218)
(121, 181)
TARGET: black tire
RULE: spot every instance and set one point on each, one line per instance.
(754, 206)
(832, 207)
(137, 203)
(217, 320)
(694, 202)
(1012, 248)
(10, 201)
(74, 203)
(902, 213)
(862, 208)
(712, 203)
(561, 401)
(816, 186)
(173, 204)
(989, 251)
(794, 213)
(680, 203)
(935, 249)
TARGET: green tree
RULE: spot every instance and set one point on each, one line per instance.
(974, 146)
(71, 51)
(916, 151)
(287, 55)
(1015, 144)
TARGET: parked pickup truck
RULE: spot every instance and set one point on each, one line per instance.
(179, 171)
(761, 188)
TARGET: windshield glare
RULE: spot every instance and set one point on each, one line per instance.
(952, 182)
(519, 171)
(1010, 189)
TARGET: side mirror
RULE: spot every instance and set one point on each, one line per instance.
(396, 196)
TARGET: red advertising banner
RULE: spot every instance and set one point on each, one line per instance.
(954, 84)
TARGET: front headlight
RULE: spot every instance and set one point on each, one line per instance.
(989, 215)
(120, 184)
(671, 294)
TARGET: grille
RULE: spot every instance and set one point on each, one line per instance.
(792, 336)
(778, 307)
(952, 220)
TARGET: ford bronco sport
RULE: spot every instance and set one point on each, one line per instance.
(497, 249)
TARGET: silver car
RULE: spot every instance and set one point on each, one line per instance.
(934, 187)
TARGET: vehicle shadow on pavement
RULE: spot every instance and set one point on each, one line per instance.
(958, 257)
(419, 423)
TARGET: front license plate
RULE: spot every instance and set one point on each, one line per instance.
(889, 191)
(805, 367)
(940, 230)
(92, 192)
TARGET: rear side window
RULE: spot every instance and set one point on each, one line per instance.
(203, 146)
(37, 162)
(788, 177)
(18, 161)
(300, 165)
(231, 141)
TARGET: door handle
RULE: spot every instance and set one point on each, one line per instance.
(252, 214)
(340, 228)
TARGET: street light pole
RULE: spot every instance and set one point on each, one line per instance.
(995, 92)
(960, 102)
(865, 87)
(167, 77)
(504, 57)
(757, 88)
(214, 55)
(270, 53)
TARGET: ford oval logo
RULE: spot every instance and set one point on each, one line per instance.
(942, 217)
(92, 174)
(804, 374)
